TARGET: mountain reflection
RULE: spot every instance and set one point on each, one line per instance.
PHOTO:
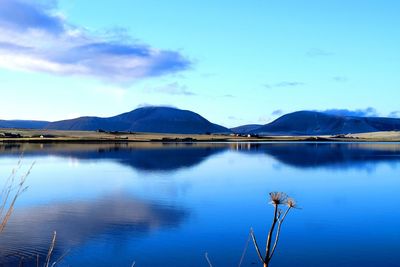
(29, 231)
(150, 157)
(141, 156)
(326, 155)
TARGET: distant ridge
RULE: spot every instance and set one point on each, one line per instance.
(146, 119)
(245, 129)
(319, 123)
(176, 121)
(23, 124)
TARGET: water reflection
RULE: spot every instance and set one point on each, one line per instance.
(327, 155)
(29, 231)
(209, 206)
(160, 157)
(140, 156)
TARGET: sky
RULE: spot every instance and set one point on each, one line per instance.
(233, 62)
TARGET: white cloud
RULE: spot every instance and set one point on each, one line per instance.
(171, 89)
(34, 37)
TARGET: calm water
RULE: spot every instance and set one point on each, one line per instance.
(166, 205)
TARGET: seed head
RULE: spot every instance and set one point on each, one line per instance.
(291, 203)
(278, 198)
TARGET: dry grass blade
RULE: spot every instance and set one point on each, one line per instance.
(53, 243)
(208, 260)
(245, 249)
(256, 245)
(60, 258)
(7, 206)
(7, 187)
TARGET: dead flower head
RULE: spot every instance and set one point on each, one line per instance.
(278, 198)
(291, 203)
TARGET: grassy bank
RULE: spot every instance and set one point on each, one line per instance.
(43, 136)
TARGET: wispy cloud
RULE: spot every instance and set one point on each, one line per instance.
(283, 84)
(228, 96)
(263, 119)
(35, 37)
(144, 105)
(277, 112)
(172, 89)
(367, 112)
(340, 79)
(394, 114)
(317, 52)
(233, 118)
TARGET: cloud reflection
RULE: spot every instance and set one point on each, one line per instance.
(29, 230)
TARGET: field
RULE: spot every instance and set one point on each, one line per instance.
(42, 136)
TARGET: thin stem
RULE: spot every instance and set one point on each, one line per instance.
(8, 208)
(256, 245)
(271, 231)
(244, 250)
(278, 231)
(60, 258)
(208, 260)
(53, 242)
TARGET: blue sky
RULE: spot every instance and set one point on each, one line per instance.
(234, 62)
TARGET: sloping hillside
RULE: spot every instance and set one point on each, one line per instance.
(146, 119)
(318, 123)
(23, 124)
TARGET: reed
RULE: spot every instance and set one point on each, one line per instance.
(13, 188)
(277, 199)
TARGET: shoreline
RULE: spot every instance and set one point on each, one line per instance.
(56, 136)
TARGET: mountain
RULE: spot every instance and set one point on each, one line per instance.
(146, 119)
(244, 129)
(319, 123)
(23, 124)
(173, 120)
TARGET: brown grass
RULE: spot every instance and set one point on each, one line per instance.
(92, 136)
(12, 190)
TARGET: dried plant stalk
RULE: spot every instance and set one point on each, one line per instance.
(10, 193)
(52, 245)
(277, 199)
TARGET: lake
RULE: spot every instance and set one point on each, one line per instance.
(168, 204)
